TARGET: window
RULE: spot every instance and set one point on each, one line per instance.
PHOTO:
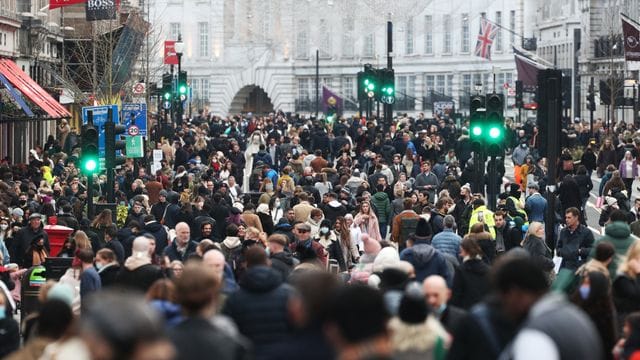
(440, 84)
(205, 88)
(266, 19)
(429, 83)
(203, 32)
(328, 82)
(466, 83)
(325, 39)
(303, 89)
(195, 86)
(409, 37)
(348, 88)
(174, 31)
(347, 36)
(446, 32)
(302, 40)
(499, 31)
(368, 49)
(465, 33)
(449, 87)
(428, 35)
(512, 26)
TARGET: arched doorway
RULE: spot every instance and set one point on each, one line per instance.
(253, 99)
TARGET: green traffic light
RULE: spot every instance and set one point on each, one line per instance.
(476, 131)
(90, 165)
(390, 91)
(167, 96)
(494, 132)
(371, 86)
(183, 89)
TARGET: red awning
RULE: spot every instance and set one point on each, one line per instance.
(29, 88)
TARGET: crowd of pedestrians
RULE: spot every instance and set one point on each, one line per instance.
(282, 237)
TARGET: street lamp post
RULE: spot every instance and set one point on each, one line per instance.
(179, 47)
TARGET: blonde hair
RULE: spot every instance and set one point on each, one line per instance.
(81, 240)
(251, 232)
(632, 253)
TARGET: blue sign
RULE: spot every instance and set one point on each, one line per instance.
(100, 117)
(135, 114)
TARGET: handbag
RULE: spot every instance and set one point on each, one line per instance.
(599, 202)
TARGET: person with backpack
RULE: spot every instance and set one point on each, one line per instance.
(404, 224)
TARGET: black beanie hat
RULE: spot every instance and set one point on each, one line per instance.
(413, 306)
(423, 229)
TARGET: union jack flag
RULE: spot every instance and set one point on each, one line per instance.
(488, 32)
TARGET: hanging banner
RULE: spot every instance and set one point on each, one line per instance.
(631, 33)
(101, 10)
(170, 55)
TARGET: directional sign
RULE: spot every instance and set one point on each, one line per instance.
(135, 114)
(100, 114)
(134, 147)
(166, 105)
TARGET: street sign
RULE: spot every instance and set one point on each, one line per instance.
(135, 114)
(133, 130)
(134, 147)
(166, 105)
(100, 114)
(139, 88)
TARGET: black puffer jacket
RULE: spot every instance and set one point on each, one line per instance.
(470, 283)
(283, 262)
(259, 309)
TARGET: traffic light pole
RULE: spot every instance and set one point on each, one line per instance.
(110, 169)
(491, 191)
(388, 108)
(173, 91)
(90, 212)
(591, 87)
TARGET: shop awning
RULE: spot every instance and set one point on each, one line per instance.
(29, 88)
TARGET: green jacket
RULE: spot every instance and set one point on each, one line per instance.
(380, 201)
(619, 235)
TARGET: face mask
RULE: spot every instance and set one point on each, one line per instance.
(584, 291)
(324, 229)
(269, 187)
(3, 313)
(23, 202)
(268, 252)
(4, 227)
(441, 309)
(277, 204)
(99, 266)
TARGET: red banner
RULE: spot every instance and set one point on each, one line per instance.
(53, 4)
(170, 56)
(631, 31)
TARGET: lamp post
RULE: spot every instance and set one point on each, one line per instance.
(179, 47)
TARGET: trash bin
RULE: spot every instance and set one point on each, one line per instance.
(32, 280)
(57, 235)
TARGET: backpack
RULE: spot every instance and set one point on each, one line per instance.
(407, 228)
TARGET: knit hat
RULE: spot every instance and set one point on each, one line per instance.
(61, 292)
(17, 212)
(413, 307)
(423, 229)
(371, 246)
(611, 200)
(163, 193)
(386, 257)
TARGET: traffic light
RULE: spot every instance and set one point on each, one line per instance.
(387, 92)
(166, 86)
(370, 81)
(112, 132)
(591, 98)
(361, 93)
(476, 122)
(183, 87)
(494, 126)
(89, 160)
(519, 95)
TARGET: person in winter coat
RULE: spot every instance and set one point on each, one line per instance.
(618, 233)
(589, 160)
(182, 246)
(367, 221)
(628, 171)
(426, 260)
(537, 248)
(266, 220)
(260, 308)
(593, 296)
(329, 241)
(380, 201)
(25, 237)
(107, 266)
(332, 208)
(606, 156)
(9, 329)
(138, 273)
(626, 286)
(575, 242)
(585, 185)
(197, 292)
(471, 279)
(153, 227)
(281, 261)
(231, 242)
